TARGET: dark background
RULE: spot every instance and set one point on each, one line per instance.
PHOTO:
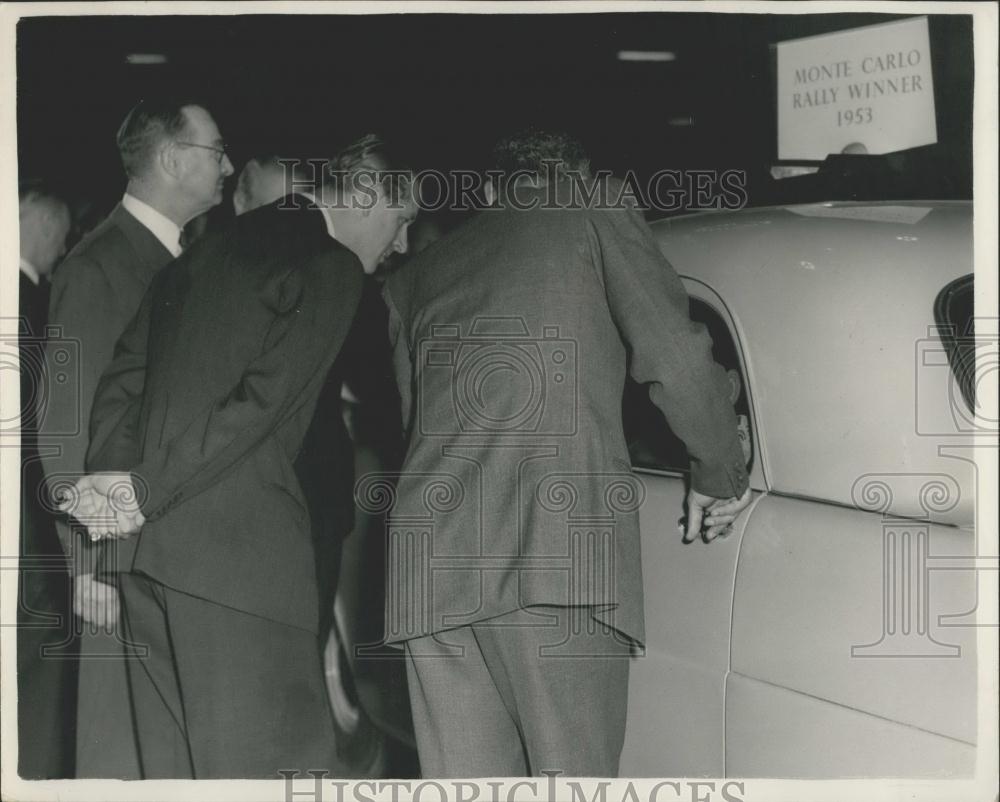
(444, 87)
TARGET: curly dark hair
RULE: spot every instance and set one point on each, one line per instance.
(533, 150)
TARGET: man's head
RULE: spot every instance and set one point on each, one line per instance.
(262, 180)
(536, 157)
(45, 223)
(174, 157)
(371, 204)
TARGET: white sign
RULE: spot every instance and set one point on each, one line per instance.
(867, 90)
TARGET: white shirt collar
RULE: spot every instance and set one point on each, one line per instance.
(162, 227)
(29, 270)
(326, 212)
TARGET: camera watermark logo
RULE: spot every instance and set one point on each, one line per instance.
(49, 366)
(497, 379)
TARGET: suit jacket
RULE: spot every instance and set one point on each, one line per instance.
(210, 393)
(33, 311)
(95, 292)
(41, 587)
(325, 465)
(512, 339)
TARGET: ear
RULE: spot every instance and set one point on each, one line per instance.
(169, 160)
(47, 220)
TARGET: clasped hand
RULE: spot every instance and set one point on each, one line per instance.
(106, 503)
(715, 514)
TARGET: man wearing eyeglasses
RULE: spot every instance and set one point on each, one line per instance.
(175, 162)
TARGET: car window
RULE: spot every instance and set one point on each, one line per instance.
(953, 313)
(651, 443)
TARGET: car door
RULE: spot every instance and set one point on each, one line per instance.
(676, 715)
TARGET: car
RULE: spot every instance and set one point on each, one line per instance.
(833, 632)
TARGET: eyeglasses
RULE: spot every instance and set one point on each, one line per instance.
(219, 152)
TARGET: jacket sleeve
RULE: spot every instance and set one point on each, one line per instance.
(80, 307)
(668, 352)
(114, 420)
(311, 311)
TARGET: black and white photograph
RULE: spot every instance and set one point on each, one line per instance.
(480, 401)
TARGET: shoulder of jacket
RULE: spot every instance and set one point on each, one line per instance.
(104, 242)
(79, 268)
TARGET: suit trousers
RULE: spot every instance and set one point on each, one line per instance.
(221, 694)
(105, 738)
(536, 690)
(47, 657)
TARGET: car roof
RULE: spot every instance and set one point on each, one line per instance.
(833, 305)
(862, 230)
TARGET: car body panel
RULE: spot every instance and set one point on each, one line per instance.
(774, 732)
(811, 604)
(831, 308)
(797, 286)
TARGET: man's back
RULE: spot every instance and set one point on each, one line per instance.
(517, 298)
(234, 340)
(518, 329)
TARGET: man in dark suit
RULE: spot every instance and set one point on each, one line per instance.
(46, 672)
(514, 536)
(206, 404)
(176, 163)
(325, 465)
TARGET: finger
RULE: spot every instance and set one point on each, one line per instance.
(85, 507)
(714, 532)
(695, 513)
(129, 523)
(729, 506)
(733, 506)
(716, 503)
(718, 520)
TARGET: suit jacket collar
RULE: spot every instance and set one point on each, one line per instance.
(162, 227)
(148, 248)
